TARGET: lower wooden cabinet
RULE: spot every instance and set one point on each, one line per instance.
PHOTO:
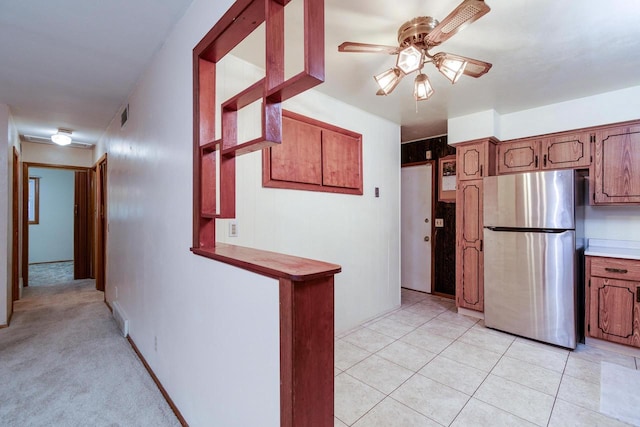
(469, 255)
(613, 300)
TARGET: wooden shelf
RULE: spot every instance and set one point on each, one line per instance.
(271, 264)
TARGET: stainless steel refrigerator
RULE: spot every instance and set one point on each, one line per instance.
(533, 239)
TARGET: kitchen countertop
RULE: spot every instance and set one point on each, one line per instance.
(613, 248)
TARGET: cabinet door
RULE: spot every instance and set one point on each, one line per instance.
(471, 159)
(567, 151)
(615, 311)
(518, 156)
(300, 158)
(469, 255)
(341, 160)
(616, 170)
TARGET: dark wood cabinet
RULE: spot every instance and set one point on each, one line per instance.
(615, 172)
(613, 299)
(566, 151)
(314, 156)
(518, 156)
(469, 255)
(561, 151)
(476, 159)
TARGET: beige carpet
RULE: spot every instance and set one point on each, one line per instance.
(64, 363)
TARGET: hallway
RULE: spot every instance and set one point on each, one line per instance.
(63, 362)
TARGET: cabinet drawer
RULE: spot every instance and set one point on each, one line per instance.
(615, 268)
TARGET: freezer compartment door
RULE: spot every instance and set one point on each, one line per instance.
(530, 285)
(530, 200)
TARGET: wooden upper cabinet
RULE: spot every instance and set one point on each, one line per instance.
(299, 157)
(341, 160)
(567, 151)
(562, 151)
(518, 156)
(476, 159)
(314, 156)
(615, 172)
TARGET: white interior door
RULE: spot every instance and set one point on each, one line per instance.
(415, 233)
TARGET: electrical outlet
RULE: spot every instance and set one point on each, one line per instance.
(439, 222)
(233, 229)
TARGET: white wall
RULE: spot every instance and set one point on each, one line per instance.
(52, 238)
(361, 233)
(217, 326)
(56, 155)
(603, 222)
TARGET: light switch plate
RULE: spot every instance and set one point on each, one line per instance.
(233, 229)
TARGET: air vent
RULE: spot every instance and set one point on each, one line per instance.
(124, 116)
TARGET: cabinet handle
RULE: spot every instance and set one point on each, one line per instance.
(616, 270)
(482, 246)
(481, 170)
(544, 160)
(638, 294)
(536, 161)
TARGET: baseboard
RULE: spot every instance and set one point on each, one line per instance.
(612, 346)
(166, 396)
(4, 326)
(470, 313)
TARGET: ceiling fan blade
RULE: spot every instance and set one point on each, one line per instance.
(467, 12)
(476, 68)
(367, 48)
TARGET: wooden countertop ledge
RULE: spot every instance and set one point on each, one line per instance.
(271, 264)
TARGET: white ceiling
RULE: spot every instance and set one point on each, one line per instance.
(542, 51)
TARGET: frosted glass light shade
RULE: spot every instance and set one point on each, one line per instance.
(388, 80)
(61, 138)
(452, 68)
(422, 89)
(409, 59)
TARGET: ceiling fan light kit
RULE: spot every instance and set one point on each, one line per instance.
(415, 38)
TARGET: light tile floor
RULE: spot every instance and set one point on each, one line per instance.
(426, 365)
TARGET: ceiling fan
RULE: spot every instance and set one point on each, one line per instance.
(415, 38)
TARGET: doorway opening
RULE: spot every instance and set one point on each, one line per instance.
(63, 234)
(416, 212)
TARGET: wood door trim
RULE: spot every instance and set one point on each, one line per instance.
(15, 227)
(25, 208)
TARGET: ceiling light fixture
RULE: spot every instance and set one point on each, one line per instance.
(62, 137)
(415, 38)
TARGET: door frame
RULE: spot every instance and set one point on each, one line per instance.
(99, 222)
(434, 230)
(25, 209)
(15, 227)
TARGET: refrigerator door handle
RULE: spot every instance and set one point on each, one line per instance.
(532, 230)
